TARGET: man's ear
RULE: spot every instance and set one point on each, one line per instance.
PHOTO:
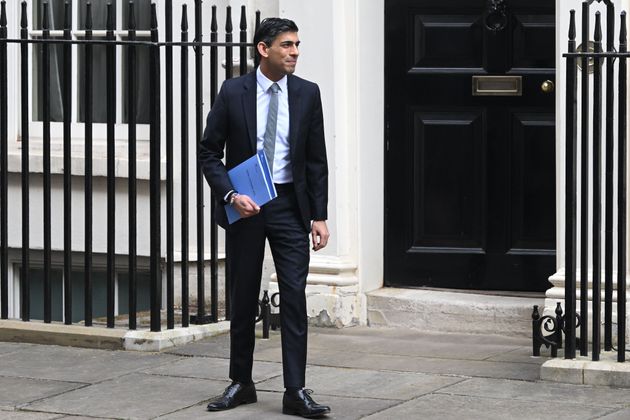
(262, 49)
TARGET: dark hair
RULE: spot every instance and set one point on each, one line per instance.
(270, 28)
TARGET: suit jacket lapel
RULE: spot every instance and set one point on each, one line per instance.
(295, 104)
(249, 107)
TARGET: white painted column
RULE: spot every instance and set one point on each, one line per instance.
(342, 51)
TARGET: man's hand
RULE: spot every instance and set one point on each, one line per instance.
(245, 206)
(319, 234)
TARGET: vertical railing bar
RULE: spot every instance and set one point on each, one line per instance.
(67, 163)
(229, 51)
(199, 178)
(47, 186)
(622, 195)
(4, 136)
(608, 253)
(24, 273)
(185, 168)
(111, 167)
(584, 186)
(88, 168)
(133, 206)
(243, 40)
(155, 242)
(228, 75)
(597, 175)
(256, 56)
(170, 288)
(571, 156)
(214, 242)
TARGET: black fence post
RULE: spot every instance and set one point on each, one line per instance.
(584, 273)
(185, 167)
(47, 183)
(4, 205)
(67, 164)
(570, 242)
(201, 304)
(622, 194)
(170, 274)
(228, 75)
(243, 40)
(214, 230)
(597, 195)
(256, 56)
(608, 236)
(24, 95)
(87, 271)
(132, 181)
(155, 183)
(111, 166)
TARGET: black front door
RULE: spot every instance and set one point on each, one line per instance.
(470, 161)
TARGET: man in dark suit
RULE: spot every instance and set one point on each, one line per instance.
(274, 111)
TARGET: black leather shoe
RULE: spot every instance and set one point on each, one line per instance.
(234, 395)
(300, 403)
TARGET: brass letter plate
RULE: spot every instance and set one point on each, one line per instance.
(497, 86)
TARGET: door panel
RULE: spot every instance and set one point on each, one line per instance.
(449, 192)
(470, 180)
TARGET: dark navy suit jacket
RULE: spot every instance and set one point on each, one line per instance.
(231, 125)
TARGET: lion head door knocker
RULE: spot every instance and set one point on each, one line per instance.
(496, 17)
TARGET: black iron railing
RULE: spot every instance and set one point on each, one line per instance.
(158, 84)
(548, 330)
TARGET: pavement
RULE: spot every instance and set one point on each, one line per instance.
(361, 372)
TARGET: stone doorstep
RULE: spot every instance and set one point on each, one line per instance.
(452, 312)
(583, 371)
(106, 338)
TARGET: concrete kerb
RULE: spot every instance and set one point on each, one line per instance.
(105, 338)
(583, 371)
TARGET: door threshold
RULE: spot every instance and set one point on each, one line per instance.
(507, 293)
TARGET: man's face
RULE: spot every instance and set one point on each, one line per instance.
(280, 58)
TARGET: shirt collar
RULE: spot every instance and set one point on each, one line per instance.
(265, 83)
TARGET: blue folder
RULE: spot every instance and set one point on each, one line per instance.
(252, 178)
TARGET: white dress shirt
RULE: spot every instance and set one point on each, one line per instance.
(282, 159)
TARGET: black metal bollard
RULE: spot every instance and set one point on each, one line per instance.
(268, 319)
(536, 341)
(559, 325)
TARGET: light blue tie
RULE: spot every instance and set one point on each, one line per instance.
(269, 142)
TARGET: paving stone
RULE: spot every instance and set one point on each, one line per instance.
(82, 418)
(6, 348)
(269, 407)
(18, 391)
(212, 368)
(75, 364)
(617, 415)
(521, 355)
(26, 415)
(272, 354)
(132, 396)
(540, 391)
(467, 368)
(362, 383)
(457, 407)
(446, 345)
(219, 346)
(415, 335)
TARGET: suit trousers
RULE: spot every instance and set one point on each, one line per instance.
(280, 223)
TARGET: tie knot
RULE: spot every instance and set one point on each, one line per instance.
(274, 88)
